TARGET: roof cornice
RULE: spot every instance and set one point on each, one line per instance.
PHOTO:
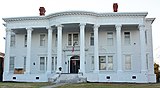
(150, 19)
(113, 14)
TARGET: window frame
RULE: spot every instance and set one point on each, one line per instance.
(13, 40)
(127, 64)
(25, 40)
(102, 64)
(112, 38)
(72, 39)
(11, 66)
(127, 37)
(108, 63)
(42, 40)
(91, 39)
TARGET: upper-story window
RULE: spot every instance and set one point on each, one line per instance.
(56, 40)
(146, 37)
(109, 38)
(73, 39)
(25, 41)
(13, 40)
(42, 39)
(127, 40)
(92, 39)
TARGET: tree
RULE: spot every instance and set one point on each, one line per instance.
(156, 71)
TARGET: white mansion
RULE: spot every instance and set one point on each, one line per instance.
(102, 47)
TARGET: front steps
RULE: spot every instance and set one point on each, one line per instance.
(67, 78)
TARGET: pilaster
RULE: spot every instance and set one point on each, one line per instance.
(7, 51)
(142, 48)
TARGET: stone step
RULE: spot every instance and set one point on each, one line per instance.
(67, 78)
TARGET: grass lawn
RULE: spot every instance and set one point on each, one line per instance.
(22, 85)
(110, 85)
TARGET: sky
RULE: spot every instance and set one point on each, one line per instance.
(21, 8)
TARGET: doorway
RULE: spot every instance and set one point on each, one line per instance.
(74, 64)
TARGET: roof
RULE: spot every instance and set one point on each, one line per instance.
(67, 13)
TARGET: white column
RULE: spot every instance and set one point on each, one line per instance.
(59, 47)
(142, 48)
(7, 51)
(119, 50)
(29, 40)
(82, 47)
(49, 59)
(96, 55)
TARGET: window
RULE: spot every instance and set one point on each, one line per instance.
(102, 62)
(53, 64)
(56, 40)
(73, 39)
(69, 39)
(11, 64)
(42, 63)
(127, 38)
(92, 39)
(146, 37)
(127, 62)
(147, 58)
(42, 39)
(12, 40)
(109, 38)
(110, 63)
(92, 63)
(25, 41)
(24, 64)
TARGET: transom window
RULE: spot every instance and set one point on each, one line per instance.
(73, 39)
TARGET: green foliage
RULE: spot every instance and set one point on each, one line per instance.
(156, 71)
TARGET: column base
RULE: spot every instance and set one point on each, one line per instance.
(27, 72)
(48, 72)
(96, 71)
(5, 72)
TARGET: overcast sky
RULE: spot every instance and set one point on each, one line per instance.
(17, 8)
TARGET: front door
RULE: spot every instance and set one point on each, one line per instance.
(74, 64)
